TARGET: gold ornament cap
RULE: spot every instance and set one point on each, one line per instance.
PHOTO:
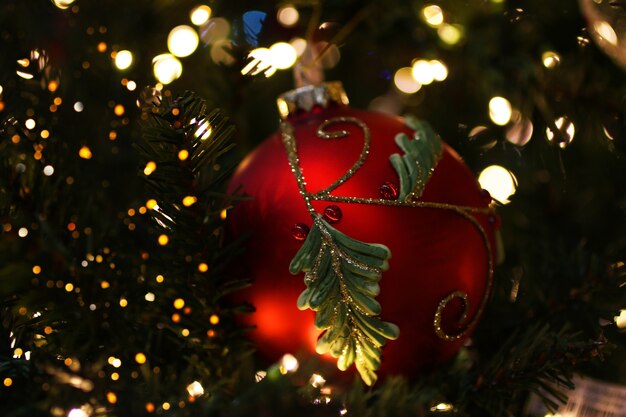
(309, 96)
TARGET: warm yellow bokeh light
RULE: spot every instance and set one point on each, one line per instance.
(282, 55)
(63, 4)
(606, 32)
(179, 303)
(500, 110)
(151, 204)
(7, 382)
(36, 270)
(150, 168)
(214, 319)
(200, 14)
(550, 59)
(195, 389)
(111, 397)
(404, 81)
(140, 358)
(123, 302)
(183, 154)
(189, 200)
(123, 59)
(259, 62)
(288, 363)
(182, 41)
(119, 110)
(167, 68)
(433, 15)
(163, 240)
(439, 70)
(299, 44)
(85, 152)
(450, 34)
(422, 72)
(620, 320)
(288, 16)
(22, 232)
(203, 267)
(567, 129)
(499, 182)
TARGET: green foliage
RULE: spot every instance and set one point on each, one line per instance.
(341, 275)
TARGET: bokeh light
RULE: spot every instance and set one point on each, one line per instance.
(404, 81)
(439, 70)
(195, 389)
(499, 181)
(214, 29)
(422, 72)
(450, 34)
(620, 320)
(567, 129)
(500, 110)
(123, 59)
(433, 15)
(282, 55)
(200, 14)
(299, 44)
(288, 16)
(63, 4)
(288, 363)
(550, 59)
(182, 41)
(520, 131)
(220, 52)
(606, 32)
(167, 68)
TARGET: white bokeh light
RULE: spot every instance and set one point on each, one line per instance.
(182, 41)
(499, 181)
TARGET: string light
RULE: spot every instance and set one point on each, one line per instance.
(288, 364)
(288, 16)
(500, 110)
(123, 59)
(163, 240)
(404, 81)
(36, 269)
(433, 15)
(214, 319)
(85, 152)
(450, 34)
(195, 389)
(167, 68)
(550, 59)
(140, 358)
(202, 267)
(63, 4)
(499, 182)
(150, 168)
(620, 320)
(183, 154)
(79, 107)
(182, 41)
(422, 72)
(282, 55)
(200, 15)
(179, 303)
(22, 232)
(30, 124)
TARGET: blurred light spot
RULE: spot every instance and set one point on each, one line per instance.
(36, 270)
(195, 389)
(442, 407)
(63, 4)
(140, 358)
(500, 110)
(183, 154)
(163, 240)
(123, 302)
(214, 319)
(223, 214)
(102, 47)
(204, 129)
(115, 362)
(48, 170)
(550, 59)
(606, 32)
(422, 72)
(53, 86)
(45, 134)
(151, 204)
(220, 52)
(288, 363)
(299, 44)
(111, 397)
(179, 303)
(404, 81)
(499, 182)
(150, 168)
(317, 381)
(30, 124)
(433, 15)
(189, 200)
(259, 376)
(131, 86)
(1, 89)
(118, 110)
(167, 68)
(288, 16)
(7, 382)
(282, 55)
(76, 412)
(85, 152)
(159, 278)
(22, 232)
(69, 287)
(450, 34)
(620, 320)
(184, 332)
(150, 297)
(567, 129)
(214, 29)
(182, 40)
(203, 267)
(200, 14)
(79, 107)
(520, 131)
(331, 56)
(260, 62)
(123, 59)
(438, 70)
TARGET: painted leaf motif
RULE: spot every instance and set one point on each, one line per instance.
(421, 155)
(341, 275)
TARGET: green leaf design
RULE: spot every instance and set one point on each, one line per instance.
(421, 155)
(341, 275)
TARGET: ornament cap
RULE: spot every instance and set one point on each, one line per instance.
(307, 97)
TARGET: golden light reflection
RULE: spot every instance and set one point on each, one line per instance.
(150, 168)
(499, 182)
(620, 320)
(179, 303)
(163, 240)
(500, 110)
(183, 154)
(85, 152)
(182, 41)
(123, 59)
(189, 200)
(567, 130)
(200, 14)
(550, 59)
(288, 16)
(282, 55)
(404, 81)
(140, 358)
(422, 72)
(167, 68)
(606, 32)
(433, 15)
(450, 34)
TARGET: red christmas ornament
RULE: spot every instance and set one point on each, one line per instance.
(331, 164)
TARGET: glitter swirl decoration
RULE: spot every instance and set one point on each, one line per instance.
(342, 274)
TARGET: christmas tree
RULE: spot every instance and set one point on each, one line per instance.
(121, 125)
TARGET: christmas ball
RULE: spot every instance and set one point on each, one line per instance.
(606, 22)
(369, 239)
